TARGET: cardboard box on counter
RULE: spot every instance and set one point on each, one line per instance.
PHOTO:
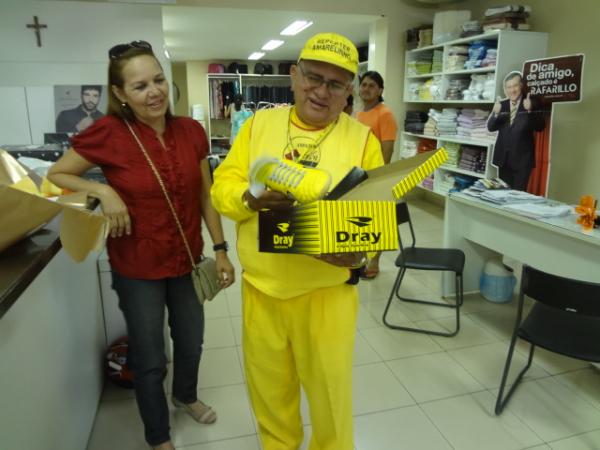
(363, 218)
(23, 211)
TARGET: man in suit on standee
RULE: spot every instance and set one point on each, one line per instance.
(515, 121)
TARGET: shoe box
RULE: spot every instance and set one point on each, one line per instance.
(358, 215)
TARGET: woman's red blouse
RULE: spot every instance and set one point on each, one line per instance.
(154, 249)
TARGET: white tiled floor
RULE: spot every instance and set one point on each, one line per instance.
(411, 391)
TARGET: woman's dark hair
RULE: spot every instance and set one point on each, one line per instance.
(115, 77)
(237, 101)
(376, 77)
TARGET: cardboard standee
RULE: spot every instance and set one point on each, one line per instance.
(363, 218)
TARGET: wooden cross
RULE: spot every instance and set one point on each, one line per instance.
(37, 27)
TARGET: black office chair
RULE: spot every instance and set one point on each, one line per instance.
(564, 319)
(420, 258)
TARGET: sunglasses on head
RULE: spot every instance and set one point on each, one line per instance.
(118, 50)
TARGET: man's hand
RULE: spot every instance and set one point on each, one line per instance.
(351, 260)
(497, 106)
(269, 200)
(527, 102)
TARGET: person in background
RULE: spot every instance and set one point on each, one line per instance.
(349, 109)
(381, 120)
(78, 119)
(516, 122)
(238, 114)
(299, 314)
(150, 263)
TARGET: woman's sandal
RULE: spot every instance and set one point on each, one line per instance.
(199, 411)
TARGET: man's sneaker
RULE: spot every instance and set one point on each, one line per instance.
(304, 184)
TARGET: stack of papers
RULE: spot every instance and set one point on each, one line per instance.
(540, 210)
(506, 197)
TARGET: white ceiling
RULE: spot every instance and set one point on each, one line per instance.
(198, 33)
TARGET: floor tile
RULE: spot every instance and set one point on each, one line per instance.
(399, 428)
(115, 392)
(469, 423)
(234, 299)
(551, 362)
(117, 427)
(218, 333)
(375, 388)
(236, 323)
(586, 382)
(245, 443)
(394, 316)
(585, 441)
(219, 367)
(363, 352)
(433, 377)
(368, 316)
(552, 410)
(234, 418)
(392, 344)
(470, 332)
(500, 322)
(217, 307)
(486, 363)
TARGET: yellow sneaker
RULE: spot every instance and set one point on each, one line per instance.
(301, 183)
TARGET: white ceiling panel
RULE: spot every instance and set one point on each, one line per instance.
(197, 33)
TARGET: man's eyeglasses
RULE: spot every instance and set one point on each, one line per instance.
(118, 50)
(315, 81)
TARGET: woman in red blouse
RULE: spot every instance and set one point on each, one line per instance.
(151, 267)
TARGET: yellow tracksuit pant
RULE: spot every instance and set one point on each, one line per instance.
(306, 340)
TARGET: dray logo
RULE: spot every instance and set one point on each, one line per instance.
(360, 221)
(280, 241)
(283, 227)
(364, 237)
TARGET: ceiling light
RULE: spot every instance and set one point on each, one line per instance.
(296, 27)
(256, 55)
(272, 44)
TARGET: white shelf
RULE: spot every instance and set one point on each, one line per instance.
(470, 71)
(455, 169)
(464, 102)
(452, 72)
(425, 75)
(456, 139)
(430, 190)
(466, 40)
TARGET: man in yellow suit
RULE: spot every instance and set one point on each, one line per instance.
(299, 314)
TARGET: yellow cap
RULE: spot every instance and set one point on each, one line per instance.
(331, 48)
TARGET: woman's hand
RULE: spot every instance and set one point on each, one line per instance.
(116, 211)
(225, 270)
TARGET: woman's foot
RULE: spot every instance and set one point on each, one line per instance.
(164, 446)
(370, 271)
(199, 411)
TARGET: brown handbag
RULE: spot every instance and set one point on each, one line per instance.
(204, 273)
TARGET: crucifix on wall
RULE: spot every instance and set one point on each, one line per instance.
(37, 27)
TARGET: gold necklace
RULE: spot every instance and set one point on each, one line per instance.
(294, 152)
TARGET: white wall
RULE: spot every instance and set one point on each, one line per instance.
(74, 49)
